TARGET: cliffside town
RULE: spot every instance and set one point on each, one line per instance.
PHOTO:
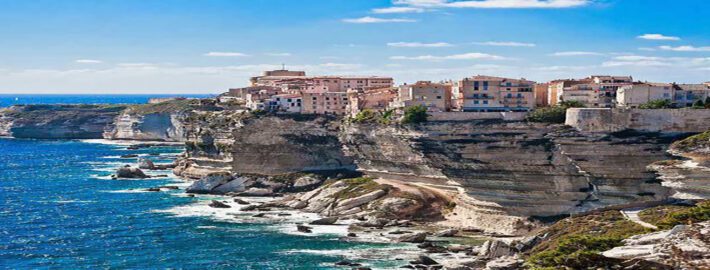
(340, 147)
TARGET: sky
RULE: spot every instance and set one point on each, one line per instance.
(208, 46)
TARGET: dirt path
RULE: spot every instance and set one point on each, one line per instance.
(632, 214)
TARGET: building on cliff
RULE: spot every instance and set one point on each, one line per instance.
(596, 91)
(436, 97)
(541, 93)
(325, 103)
(636, 94)
(377, 99)
(494, 94)
(687, 94)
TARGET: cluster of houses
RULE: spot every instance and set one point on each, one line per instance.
(295, 92)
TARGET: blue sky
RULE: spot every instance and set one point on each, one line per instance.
(207, 46)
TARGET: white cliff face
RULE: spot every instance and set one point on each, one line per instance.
(166, 126)
(506, 172)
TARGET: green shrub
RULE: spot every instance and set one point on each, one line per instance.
(364, 116)
(698, 104)
(657, 104)
(555, 114)
(415, 114)
(668, 217)
(693, 142)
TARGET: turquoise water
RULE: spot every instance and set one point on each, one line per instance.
(59, 210)
(15, 99)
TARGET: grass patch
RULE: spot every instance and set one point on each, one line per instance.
(691, 143)
(170, 106)
(668, 216)
(357, 187)
(576, 242)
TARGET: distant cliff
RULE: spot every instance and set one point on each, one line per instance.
(57, 121)
(161, 121)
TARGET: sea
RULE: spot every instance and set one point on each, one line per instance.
(60, 209)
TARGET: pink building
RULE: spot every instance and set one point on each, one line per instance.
(377, 99)
(325, 103)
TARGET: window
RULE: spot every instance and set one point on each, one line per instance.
(485, 85)
(475, 102)
(438, 97)
(475, 85)
(475, 95)
(485, 102)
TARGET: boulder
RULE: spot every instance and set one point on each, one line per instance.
(360, 200)
(304, 229)
(496, 248)
(218, 204)
(297, 204)
(306, 182)
(325, 221)
(206, 184)
(240, 201)
(504, 263)
(130, 156)
(412, 238)
(447, 233)
(249, 208)
(424, 260)
(257, 192)
(235, 185)
(373, 221)
(130, 172)
(146, 164)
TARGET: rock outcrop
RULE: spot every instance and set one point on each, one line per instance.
(506, 172)
(57, 121)
(689, 174)
(683, 247)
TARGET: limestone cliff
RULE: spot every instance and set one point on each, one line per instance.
(506, 172)
(262, 144)
(689, 174)
(156, 122)
(57, 121)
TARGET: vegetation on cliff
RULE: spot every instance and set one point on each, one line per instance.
(369, 116)
(415, 114)
(694, 142)
(668, 216)
(171, 106)
(577, 241)
(657, 104)
(554, 114)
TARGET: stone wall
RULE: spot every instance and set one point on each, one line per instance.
(467, 116)
(663, 120)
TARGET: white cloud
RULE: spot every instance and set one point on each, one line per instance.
(495, 3)
(368, 19)
(391, 10)
(88, 61)
(647, 49)
(657, 37)
(138, 65)
(465, 56)
(278, 54)
(686, 48)
(505, 44)
(419, 44)
(225, 54)
(575, 53)
(341, 66)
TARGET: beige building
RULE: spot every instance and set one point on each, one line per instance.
(541, 95)
(344, 83)
(687, 94)
(435, 96)
(241, 93)
(325, 103)
(269, 78)
(636, 94)
(556, 87)
(494, 94)
(377, 99)
(597, 91)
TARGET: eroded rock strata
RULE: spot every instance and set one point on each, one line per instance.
(57, 121)
(506, 172)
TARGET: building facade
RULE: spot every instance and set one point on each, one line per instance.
(636, 94)
(495, 94)
(436, 97)
(325, 103)
(687, 94)
(597, 91)
(377, 99)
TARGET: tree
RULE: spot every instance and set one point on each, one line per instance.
(415, 114)
(698, 104)
(657, 104)
(555, 114)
